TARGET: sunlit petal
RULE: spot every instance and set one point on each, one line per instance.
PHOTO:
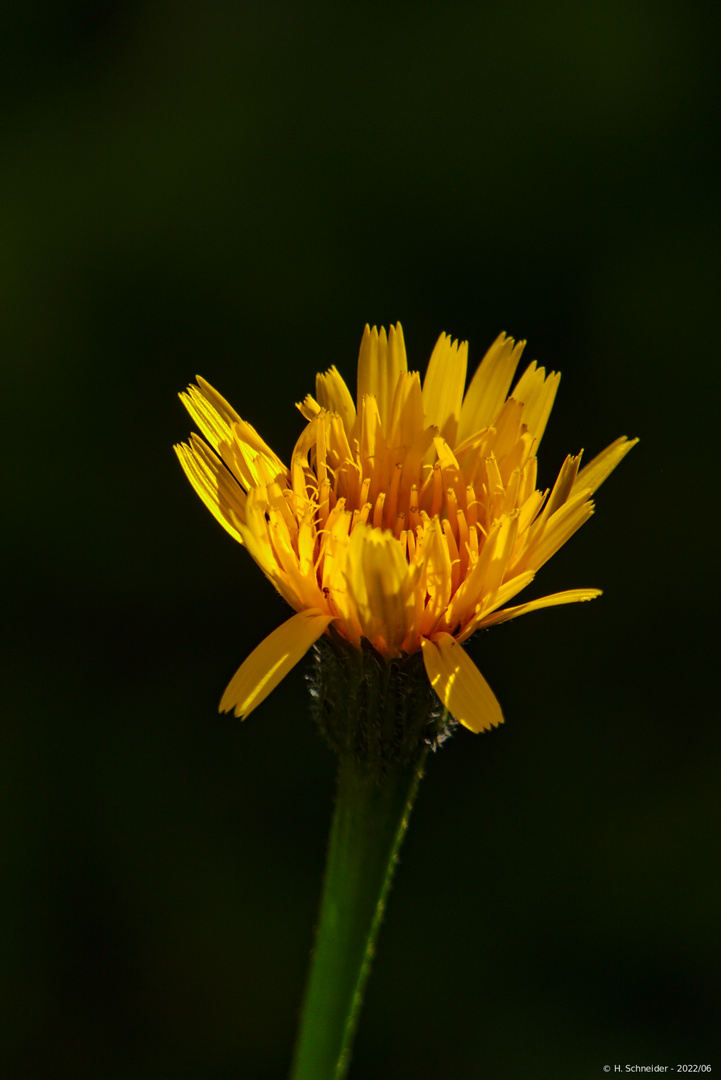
(271, 661)
(408, 518)
(570, 596)
(459, 684)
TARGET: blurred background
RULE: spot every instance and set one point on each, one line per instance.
(235, 189)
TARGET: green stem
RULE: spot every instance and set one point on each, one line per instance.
(368, 827)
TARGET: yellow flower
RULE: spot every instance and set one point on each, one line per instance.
(408, 519)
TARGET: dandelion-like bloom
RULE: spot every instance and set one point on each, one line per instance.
(408, 519)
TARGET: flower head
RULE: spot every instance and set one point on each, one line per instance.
(408, 518)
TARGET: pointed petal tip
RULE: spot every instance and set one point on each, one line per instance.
(270, 662)
(568, 596)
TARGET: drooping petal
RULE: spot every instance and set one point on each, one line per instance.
(459, 684)
(570, 596)
(271, 661)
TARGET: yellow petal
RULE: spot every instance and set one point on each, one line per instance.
(308, 407)
(211, 412)
(537, 394)
(271, 661)
(220, 492)
(373, 449)
(459, 684)
(435, 564)
(223, 408)
(592, 476)
(570, 596)
(381, 363)
(237, 442)
(257, 539)
(490, 569)
(489, 386)
(559, 528)
(406, 423)
(444, 384)
(249, 457)
(380, 585)
(334, 395)
(508, 428)
(563, 487)
(301, 474)
(490, 602)
(304, 587)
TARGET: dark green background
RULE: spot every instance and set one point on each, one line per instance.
(235, 189)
